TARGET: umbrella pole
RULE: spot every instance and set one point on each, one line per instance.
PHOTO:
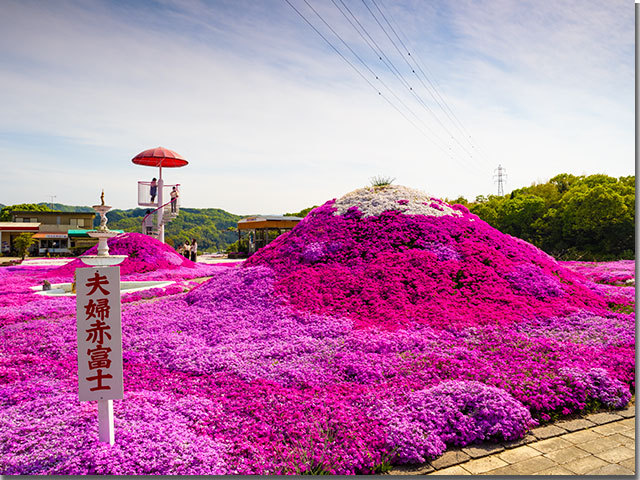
(160, 203)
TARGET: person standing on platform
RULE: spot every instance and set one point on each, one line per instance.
(174, 199)
(194, 250)
(147, 223)
(153, 190)
(187, 249)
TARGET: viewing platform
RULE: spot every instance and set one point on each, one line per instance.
(144, 194)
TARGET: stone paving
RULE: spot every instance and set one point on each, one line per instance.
(598, 444)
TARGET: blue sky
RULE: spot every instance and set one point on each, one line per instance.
(273, 120)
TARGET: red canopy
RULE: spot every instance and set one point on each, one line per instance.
(159, 157)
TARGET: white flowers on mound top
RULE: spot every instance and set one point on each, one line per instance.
(375, 200)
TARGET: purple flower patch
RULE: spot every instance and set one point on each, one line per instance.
(361, 337)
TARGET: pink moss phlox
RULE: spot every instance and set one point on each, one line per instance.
(144, 254)
(599, 385)
(351, 341)
(283, 391)
(621, 272)
(453, 413)
(154, 292)
(395, 269)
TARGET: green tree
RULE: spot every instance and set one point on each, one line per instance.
(517, 216)
(302, 213)
(5, 213)
(488, 208)
(457, 201)
(570, 217)
(22, 243)
(563, 182)
(209, 226)
(598, 219)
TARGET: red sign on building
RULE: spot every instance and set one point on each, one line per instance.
(99, 333)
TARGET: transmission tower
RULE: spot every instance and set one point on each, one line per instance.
(500, 178)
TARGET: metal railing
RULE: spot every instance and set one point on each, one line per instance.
(167, 215)
(144, 193)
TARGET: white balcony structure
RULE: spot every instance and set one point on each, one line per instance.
(163, 210)
(144, 194)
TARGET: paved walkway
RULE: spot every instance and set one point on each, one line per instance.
(209, 259)
(598, 444)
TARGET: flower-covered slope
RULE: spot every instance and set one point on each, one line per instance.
(398, 346)
(229, 379)
(393, 256)
(148, 259)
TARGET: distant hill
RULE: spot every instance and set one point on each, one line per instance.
(66, 208)
(210, 226)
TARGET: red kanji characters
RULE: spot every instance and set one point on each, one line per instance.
(98, 332)
(101, 308)
(99, 357)
(99, 377)
(96, 283)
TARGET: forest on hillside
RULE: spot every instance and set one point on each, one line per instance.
(570, 217)
(213, 228)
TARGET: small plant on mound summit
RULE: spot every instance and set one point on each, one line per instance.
(381, 181)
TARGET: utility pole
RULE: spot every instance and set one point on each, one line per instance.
(52, 197)
(500, 178)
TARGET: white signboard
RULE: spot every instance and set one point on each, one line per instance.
(99, 333)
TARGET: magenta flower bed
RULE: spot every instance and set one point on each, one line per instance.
(145, 255)
(395, 270)
(363, 337)
(621, 272)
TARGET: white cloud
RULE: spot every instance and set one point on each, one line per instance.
(272, 120)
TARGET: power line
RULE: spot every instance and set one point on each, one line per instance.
(412, 90)
(408, 53)
(446, 109)
(364, 64)
(360, 73)
(379, 52)
(461, 160)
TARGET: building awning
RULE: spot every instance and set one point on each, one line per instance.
(85, 233)
(268, 221)
(42, 235)
(19, 226)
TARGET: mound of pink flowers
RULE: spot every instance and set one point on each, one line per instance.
(386, 327)
(397, 268)
(144, 254)
(148, 259)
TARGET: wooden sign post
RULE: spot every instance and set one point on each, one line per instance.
(98, 312)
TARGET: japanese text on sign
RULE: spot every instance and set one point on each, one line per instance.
(99, 333)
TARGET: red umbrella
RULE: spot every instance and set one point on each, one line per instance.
(159, 157)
